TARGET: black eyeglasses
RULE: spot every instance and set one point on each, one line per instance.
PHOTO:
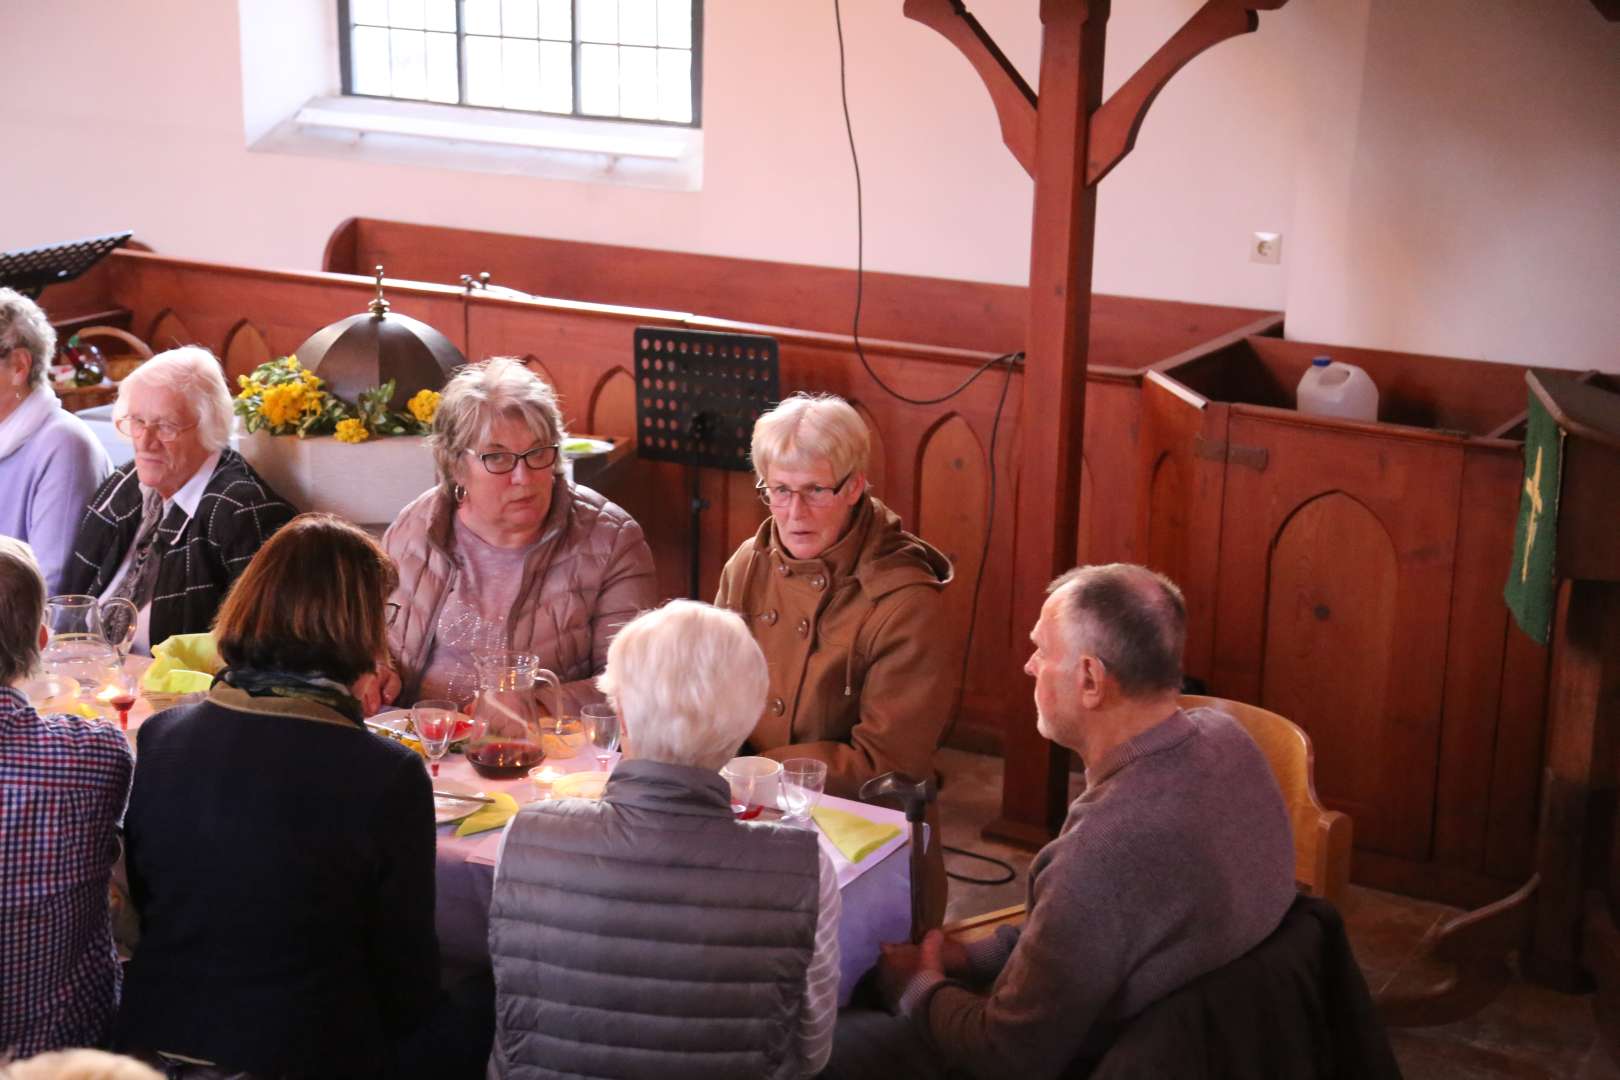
(501, 462)
(819, 496)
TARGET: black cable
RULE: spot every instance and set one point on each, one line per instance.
(992, 860)
(860, 251)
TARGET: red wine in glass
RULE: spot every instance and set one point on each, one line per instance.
(504, 760)
(123, 703)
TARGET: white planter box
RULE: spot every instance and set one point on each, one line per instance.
(369, 483)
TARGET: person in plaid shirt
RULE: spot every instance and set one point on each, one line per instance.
(63, 785)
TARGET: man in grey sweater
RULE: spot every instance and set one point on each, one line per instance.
(1177, 858)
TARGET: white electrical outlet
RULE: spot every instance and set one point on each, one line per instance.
(1266, 247)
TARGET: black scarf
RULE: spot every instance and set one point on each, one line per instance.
(267, 682)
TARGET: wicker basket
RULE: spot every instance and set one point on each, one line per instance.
(128, 355)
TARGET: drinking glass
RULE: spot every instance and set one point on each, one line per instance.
(803, 781)
(602, 728)
(435, 722)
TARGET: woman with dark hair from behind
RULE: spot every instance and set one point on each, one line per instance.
(281, 857)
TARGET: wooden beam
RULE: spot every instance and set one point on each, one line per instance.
(1009, 93)
(1114, 128)
(1053, 412)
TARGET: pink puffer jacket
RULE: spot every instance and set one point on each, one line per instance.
(590, 574)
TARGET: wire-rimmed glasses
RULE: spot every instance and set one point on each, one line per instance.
(501, 462)
(133, 427)
(780, 496)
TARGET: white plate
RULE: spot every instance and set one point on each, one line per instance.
(396, 723)
(447, 810)
(55, 691)
(578, 448)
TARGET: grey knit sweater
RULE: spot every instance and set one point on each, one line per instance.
(1177, 859)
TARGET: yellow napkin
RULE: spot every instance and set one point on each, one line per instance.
(183, 664)
(852, 834)
(493, 816)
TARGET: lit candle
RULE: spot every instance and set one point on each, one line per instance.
(544, 776)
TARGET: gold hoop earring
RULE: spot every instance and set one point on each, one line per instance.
(458, 493)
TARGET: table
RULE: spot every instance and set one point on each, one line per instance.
(876, 904)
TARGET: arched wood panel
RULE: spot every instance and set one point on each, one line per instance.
(877, 468)
(655, 494)
(245, 349)
(953, 486)
(1088, 502)
(168, 332)
(613, 405)
(1167, 519)
(1330, 626)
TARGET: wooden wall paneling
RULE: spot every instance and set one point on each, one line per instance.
(877, 468)
(953, 486)
(1373, 704)
(208, 301)
(1510, 846)
(244, 350)
(168, 331)
(1181, 479)
(1470, 769)
(1109, 508)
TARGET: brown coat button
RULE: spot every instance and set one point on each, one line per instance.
(777, 706)
(782, 568)
(769, 617)
(819, 581)
(804, 627)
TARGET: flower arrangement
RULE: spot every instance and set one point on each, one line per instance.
(280, 397)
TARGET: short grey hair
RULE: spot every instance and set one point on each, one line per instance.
(809, 428)
(192, 372)
(1131, 618)
(24, 325)
(689, 682)
(22, 609)
(476, 396)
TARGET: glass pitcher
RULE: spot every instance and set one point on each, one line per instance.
(505, 742)
(87, 637)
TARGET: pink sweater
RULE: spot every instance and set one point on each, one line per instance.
(1177, 859)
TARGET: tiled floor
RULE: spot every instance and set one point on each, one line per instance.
(1529, 1032)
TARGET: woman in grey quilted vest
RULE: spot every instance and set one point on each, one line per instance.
(505, 553)
(652, 933)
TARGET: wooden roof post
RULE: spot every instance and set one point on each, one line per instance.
(1067, 139)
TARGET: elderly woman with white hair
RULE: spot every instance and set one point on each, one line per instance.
(506, 553)
(847, 606)
(50, 461)
(653, 933)
(174, 528)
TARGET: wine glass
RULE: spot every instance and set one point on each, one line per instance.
(602, 729)
(435, 722)
(120, 693)
(743, 782)
(803, 781)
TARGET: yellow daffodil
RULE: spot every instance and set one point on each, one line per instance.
(424, 406)
(284, 404)
(352, 431)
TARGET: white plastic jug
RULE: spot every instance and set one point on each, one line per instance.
(1331, 388)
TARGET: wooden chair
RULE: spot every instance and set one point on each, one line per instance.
(1321, 836)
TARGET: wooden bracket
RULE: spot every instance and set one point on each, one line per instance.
(1253, 457)
(1011, 95)
(1115, 124)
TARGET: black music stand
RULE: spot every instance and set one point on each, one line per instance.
(698, 394)
(31, 269)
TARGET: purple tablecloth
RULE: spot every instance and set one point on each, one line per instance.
(876, 906)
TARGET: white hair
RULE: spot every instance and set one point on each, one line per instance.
(79, 1065)
(689, 682)
(23, 325)
(476, 396)
(807, 429)
(192, 372)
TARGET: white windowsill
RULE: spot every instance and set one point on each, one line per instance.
(487, 140)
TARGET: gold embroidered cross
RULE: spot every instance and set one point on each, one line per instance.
(1532, 488)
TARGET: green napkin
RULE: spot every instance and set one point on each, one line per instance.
(183, 664)
(493, 816)
(852, 834)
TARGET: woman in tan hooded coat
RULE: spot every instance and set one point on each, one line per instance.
(848, 608)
